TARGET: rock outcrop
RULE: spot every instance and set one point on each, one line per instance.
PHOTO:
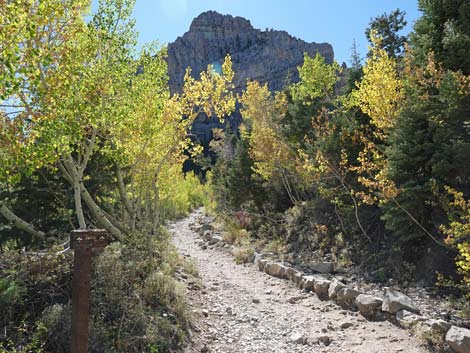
(266, 56)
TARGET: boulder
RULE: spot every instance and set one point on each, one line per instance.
(321, 287)
(407, 319)
(276, 270)
(394, 301)
(458, 339)
(368, 305)
(335, 286)
(346, 297)
(323, 267)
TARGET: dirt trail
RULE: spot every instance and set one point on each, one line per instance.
(241, 309)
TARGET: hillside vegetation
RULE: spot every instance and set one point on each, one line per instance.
(370, 172)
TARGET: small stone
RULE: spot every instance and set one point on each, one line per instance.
(326, 340)
(297, 338)
(214, 239)
(229, 310)
(205, 228)
(205, 312)
(345, 325)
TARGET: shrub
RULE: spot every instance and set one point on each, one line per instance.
(244, 255)
(180, 195)
(276, 246)
(137, 305)
(234, 234)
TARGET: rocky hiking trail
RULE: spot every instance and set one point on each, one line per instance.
(240, 309)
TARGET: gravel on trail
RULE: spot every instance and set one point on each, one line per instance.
(240, 309)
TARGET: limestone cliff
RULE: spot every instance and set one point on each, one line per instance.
(266, 56)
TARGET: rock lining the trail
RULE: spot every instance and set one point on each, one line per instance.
(459, 339)
(395, 307)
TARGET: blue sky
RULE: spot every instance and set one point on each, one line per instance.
(337, 22)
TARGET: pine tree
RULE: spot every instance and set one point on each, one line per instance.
(444, 29)
(387, 27)
(355, 72)
(429, 148)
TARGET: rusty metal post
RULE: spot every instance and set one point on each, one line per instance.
(83, 241)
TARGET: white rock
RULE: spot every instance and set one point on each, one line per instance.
(458, 339)
(297, 338)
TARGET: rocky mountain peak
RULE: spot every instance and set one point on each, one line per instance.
(210, 21)
(267, 56)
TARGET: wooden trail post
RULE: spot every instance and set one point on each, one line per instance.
(83, 241)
